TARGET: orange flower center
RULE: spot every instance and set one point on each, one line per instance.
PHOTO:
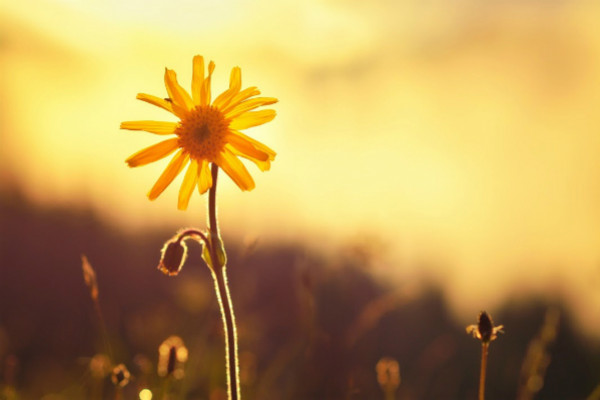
(202, 133)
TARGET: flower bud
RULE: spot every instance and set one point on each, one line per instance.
(485, 326)
(174, 253)
(485, 330)
(219, 247)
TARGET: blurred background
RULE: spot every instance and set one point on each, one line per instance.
(434, 160)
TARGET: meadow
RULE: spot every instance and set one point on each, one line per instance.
(310, 327)
(408, 207)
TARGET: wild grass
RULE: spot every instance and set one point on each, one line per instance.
(307, 329)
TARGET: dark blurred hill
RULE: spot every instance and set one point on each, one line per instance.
(309, 328)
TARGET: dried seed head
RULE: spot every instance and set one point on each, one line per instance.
(485, 329)
(172, 355)
(120, 375)
(174, 253)
(388, 374)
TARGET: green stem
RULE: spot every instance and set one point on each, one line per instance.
(222, 289)
(213, 226)
(484, 354)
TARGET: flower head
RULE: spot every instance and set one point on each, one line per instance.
(485, 329)
(174, 253)
(206, 133)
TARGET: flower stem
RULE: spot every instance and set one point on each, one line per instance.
(219, 273)
(484, 354)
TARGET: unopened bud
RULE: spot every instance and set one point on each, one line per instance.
(485, 326)
(485, 329)
(217, 244)
(174, 253)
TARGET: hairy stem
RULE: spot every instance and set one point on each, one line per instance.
(484, 354)
(213, 227)
(231, 356)
(222, 289)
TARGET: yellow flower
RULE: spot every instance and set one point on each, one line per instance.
(206, 132)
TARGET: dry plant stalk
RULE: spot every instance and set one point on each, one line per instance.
(537, 359)
(89, 276)
(100, 365)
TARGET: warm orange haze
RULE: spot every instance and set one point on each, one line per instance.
(460, 136)
(452, 143)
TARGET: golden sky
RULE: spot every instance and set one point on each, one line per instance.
(463, 135)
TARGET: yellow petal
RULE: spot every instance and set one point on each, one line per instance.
(258, 145)
(157, 101)
(153, 153)
(223, 99)
(173, 169)
(235, 79)
(205, 92)
(241, 96)
(252, 118)
(157, 127)
(236, 170)
(235, 83)
(262, 165)
(187, 186)
(204, 177)
(244, 148)
(249, 105)
(197, 78)
(162, 103)
(178, 94)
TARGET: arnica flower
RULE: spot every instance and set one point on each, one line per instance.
(207, 132)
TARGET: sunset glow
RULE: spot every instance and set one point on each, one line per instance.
(463, 138)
